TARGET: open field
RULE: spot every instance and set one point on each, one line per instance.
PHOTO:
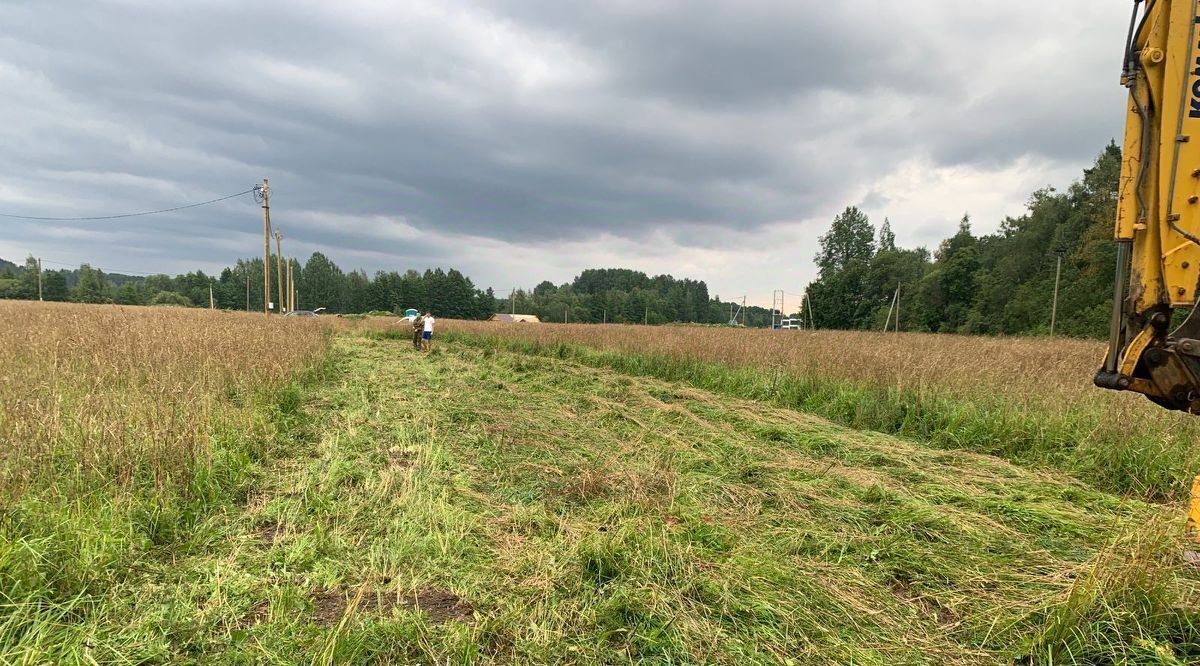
(121, 430)
(356, 502)
(107, 396)
(1030, 400)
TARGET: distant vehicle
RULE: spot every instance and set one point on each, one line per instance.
(791, 323)
(301, 313)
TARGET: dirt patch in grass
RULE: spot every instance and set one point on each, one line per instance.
(439, 605)
(399, 458)
(328, 607)
(590, 485)
(268, 534)
(256, 615)
(928, 606)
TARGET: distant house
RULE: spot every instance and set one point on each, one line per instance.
(518, 318)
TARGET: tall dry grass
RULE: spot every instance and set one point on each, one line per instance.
(122, 430)
(118, 396)
(1029, 399)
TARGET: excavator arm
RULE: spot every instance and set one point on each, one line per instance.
(1158, 211)
(1158, 216)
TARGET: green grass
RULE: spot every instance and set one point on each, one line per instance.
(476, 505)
(1080, 441)
(75, 560)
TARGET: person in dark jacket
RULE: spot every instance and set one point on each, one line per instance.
(418, 324)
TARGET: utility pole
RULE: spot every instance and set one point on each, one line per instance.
(246, 274)
(897, 307)
(211, 304)
(291, 277)
(512, 300)
(39, 278)
(1054, 303)
(743, 311)
(646, 319)
(891, 307)
(266, 206)
(605, 319)
(279, 269)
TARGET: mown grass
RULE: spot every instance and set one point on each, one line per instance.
(589, 517)
(1028, 400)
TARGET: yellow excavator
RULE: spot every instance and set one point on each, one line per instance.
(1158, 216)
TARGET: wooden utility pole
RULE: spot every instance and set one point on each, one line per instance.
(39, 278)
(892, 306)
(291, 288)
(246, 274)
(279, 269)
(897, 307)
(266, 206)
(1054, 303)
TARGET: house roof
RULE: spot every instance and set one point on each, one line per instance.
(519, 318)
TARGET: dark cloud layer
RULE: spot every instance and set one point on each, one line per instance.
(396, 131)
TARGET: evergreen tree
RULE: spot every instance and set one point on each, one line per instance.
(54, 286)
(321, 282)
(887, 239)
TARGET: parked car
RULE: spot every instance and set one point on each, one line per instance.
(301, 313)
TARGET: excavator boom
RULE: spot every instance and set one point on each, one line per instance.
(1158, 211)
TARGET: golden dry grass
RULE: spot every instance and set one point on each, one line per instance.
(108, 394)
(1023, 370)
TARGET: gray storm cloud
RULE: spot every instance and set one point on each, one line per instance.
(407, 131)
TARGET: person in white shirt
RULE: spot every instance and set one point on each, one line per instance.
(427, 334)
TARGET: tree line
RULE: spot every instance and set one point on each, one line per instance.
(320, 283)
(998, 283)
(613, 295)
(624, 296)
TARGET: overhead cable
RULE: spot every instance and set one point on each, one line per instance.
(113, 217)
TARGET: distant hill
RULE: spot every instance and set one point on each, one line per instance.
(72, 274)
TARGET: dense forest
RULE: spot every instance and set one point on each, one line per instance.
(596, 295)
(999, 283)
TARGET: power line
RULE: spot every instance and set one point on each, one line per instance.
(113, 217)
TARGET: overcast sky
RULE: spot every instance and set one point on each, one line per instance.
(523, 140)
